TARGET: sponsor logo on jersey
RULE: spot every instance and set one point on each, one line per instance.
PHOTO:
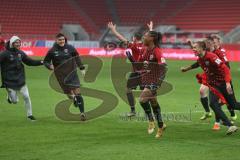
(151, 57)
(218, 61)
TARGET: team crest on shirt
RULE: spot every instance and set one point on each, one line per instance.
(151, 57)
(66, 50)
(207, 63)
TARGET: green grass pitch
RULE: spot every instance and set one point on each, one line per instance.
(109, 137)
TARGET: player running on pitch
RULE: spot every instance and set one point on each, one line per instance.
(136, 46)
(13, 73)
(64, 59)
(204, 89)
(217, 77)
(153, 73)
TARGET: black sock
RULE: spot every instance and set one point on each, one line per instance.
(234, 104)
(205, 105)
(217, 119)
(219, 113)
(130, 98)
(146, 107)
(157, 113)
(232, 112)
(78, 102)
(132, 108)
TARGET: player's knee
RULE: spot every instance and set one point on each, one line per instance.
(203, 91)
(153, 102)
(142, 100)
(14, 100)
(26, 97)
(76, 91)
(70, 96)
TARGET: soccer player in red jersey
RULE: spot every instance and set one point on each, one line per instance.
(136, 47)
(204, 89)
(218, 50)
(221, 53)
(218, 77)
(153, 73)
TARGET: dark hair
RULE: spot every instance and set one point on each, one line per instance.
(61, 35)
(209, 38)
(157, 37)
(138, 35)
(202, 44)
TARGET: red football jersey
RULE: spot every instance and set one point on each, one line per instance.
(154, 70)
(221, 53)
(216, 70)
(137, 49)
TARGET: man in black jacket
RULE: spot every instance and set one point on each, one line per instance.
(64, 60)
(13, 73)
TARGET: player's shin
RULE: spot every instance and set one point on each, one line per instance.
(204, 101)
(157, 113)
(147, 109)
(78, 102)
(131, 102)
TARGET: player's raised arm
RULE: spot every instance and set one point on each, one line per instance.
(150, 25)
(112, 27)
(190, 43)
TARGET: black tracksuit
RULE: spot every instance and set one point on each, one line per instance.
(12, 68)
(65, 61)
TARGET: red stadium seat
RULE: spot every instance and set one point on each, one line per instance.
(45, 17)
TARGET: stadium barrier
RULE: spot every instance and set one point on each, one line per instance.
(177, 54)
